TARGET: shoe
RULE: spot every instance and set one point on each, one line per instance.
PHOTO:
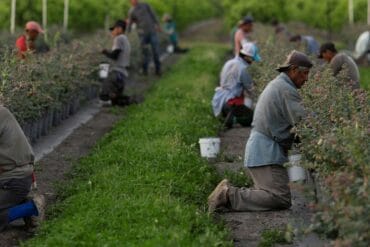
(218, 197)
(32, 222)
(39, 201)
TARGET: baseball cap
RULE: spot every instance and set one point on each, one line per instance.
(247, 20)
(327, 47)
(119, 23)
(32, 25)
(295, 58)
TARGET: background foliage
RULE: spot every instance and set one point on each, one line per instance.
(91, 14)
(328, 14)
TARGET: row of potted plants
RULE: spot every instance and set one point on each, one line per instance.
(46, 88)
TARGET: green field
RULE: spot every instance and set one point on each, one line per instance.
(145, 184)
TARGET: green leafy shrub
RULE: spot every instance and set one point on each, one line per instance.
(46, 81)
(335, 143)
(329, 14)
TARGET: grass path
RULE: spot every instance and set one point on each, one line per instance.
(145, 184)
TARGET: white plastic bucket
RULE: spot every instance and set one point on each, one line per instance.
(103, 70)
(295, 171)
(209, 147)
(248, 102)
(170, 49)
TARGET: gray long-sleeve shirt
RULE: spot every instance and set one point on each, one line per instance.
(278, 109)
(342, 61)
(234, 79)
(16, 155)
(143, 15)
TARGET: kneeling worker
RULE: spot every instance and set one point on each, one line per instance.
(16, 169)
(236, 88)
(278, 109)
(114, 85)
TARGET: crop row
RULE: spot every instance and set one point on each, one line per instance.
(335, 144)
(46, 88)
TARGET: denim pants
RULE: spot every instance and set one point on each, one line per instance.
(12, 193)
(151, 39)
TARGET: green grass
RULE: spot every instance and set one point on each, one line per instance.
(145, 184)
(271, 237)
(365, 77)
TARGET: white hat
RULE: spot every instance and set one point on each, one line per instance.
(248, 49)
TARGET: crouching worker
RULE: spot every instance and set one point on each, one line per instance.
(16, 169)
(339, 61)
(232, 100)
(170, 30)
(278, 109)
(114, 85)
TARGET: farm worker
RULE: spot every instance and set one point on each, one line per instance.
(339, 61)
(236, 88)
(114, 85)
(280, 28)
(147, 26)
(232, 34)
(312, 47)
(170, 30)
(27, 42)
(16, 169)
(243, 33)
(278, 110)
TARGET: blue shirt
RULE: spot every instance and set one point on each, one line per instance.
(234, 79)
(312, 46)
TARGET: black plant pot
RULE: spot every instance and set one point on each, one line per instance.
(26, 127)
(57, 117)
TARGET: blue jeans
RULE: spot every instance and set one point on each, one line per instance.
(151, 39)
